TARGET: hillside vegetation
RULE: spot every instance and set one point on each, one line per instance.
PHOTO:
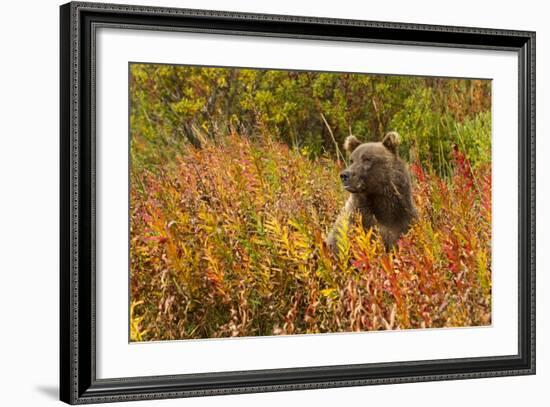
(230, 206)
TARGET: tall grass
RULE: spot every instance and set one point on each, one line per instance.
(229, 240)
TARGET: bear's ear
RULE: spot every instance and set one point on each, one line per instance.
(391, 142)
(351, 144)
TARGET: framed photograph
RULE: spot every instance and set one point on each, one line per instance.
(255, 203)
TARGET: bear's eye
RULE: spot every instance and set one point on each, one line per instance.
(366, 158)
(351, 160)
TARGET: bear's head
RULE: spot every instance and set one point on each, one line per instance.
(371, 164)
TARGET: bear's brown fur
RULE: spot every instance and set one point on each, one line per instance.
(380, 187)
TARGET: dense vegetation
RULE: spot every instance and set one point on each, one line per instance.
(234, 186)
(310, 111)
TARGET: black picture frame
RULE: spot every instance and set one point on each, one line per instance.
(78, 382)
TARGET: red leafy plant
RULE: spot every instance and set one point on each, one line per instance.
(229, 240)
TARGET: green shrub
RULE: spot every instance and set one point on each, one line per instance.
(172, 106)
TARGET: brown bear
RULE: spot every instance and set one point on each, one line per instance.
(380, 187)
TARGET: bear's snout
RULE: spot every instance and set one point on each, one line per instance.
(345, 176)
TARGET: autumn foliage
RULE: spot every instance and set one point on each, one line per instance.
(228, 239)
